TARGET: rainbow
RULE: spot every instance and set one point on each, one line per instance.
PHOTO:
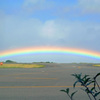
(54, 50)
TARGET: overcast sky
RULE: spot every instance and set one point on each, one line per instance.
(68, 23)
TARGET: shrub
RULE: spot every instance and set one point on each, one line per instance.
(85, 82)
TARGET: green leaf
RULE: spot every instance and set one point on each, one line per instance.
(85, 77)
(67, 90)
(87, 80)
(87, 91)
(96, 76)
(78, 76)
(73, 94)
(63, 90)
(92, 88)
(96, 94)
(75, 83)
(90, 83)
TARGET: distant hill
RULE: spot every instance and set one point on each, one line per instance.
(10, 61)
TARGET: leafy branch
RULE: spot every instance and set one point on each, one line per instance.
(86, 81)
(69, 95)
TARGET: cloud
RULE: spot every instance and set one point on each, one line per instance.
(33, 5)
(24, 32)
(49, 29)
(89, 6)
(82, 6)
(52, 29)
(2, 28)
(79, 9)
(21, 31)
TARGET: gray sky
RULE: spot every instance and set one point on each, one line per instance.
(67, 23)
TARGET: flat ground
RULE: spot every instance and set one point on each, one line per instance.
(42, 83)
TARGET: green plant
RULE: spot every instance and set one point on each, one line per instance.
(90, 86)
(69, 95)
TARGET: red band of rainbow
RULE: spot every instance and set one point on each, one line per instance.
(39, 50)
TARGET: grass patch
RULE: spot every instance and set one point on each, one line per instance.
(98, 65)
(21, 66)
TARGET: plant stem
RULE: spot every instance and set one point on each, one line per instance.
(69, 97)
(89, 96)
(97, 84)
(90, 93)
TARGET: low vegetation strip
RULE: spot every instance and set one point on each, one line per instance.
(21, 66)
(98, 65)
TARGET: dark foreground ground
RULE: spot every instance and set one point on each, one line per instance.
(42, 83)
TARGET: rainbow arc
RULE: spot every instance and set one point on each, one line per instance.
(47, 50)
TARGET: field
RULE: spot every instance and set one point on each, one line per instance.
(21, 66)
(97, 65)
